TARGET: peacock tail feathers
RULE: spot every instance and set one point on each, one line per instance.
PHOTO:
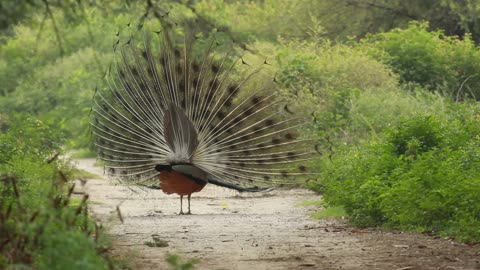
(174, 100)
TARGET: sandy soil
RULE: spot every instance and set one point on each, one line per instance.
(229, 230)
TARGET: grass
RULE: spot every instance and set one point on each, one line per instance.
(319, 203)
(176, 262)
(334, 212)
(82, 174)
(325, 212)
(157, 242)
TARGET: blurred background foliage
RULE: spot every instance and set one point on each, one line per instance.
(392, 87)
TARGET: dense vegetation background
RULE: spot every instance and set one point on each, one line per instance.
(392, 86)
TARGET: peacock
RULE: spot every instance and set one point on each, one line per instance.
(177, 114)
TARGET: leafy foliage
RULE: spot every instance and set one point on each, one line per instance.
(345, 18)
(323, 79)
(415, 136)
(58, 89)
(40, 225)
(420, 176)
(265, 20)
(176, 264)
(431, 59)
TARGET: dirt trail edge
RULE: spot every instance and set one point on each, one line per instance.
(229, 230)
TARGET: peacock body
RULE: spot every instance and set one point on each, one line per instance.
(174, 109)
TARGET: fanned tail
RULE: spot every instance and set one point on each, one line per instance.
(182, 103)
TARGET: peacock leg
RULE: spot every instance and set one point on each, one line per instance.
(189, 213)
(181, 205)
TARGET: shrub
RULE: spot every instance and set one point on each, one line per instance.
(418, 176)
(265, 20)
(373, 111)
(416, 135)
(430, 59)
(326, 78)
(40, 225)
(56, 88)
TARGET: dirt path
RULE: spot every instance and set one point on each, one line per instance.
(260, 231)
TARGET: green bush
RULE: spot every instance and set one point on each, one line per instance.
(424, 174)
(56, 88)
(430, 58)
(325, 79)
(416, 135)
(321, 65)
(28, 137)
(41, 225)
(373, 111)
(263, 20)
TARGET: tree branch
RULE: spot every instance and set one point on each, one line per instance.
(90, 34)
(55, 28)
(40, 29)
